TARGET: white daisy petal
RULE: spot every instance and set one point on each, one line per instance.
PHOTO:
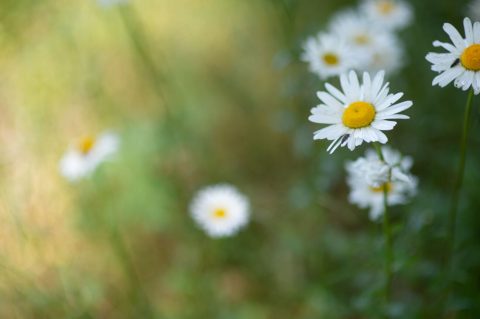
(456, 38)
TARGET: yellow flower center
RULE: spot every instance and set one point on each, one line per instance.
(386, 7)
(358, 114)
(380, 188)
(86, 144)
(470, 57)
(219, 213)
(330, 58)
(361, 39)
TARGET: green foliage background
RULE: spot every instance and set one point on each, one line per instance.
(204, 92)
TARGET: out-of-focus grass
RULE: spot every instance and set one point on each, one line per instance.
(239, 98)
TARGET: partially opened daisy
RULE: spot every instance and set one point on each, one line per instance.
(461, 62)
(359, 113)
(328, 55)
(220, 210)
(369, 176)
(392, 14)
(82, 159)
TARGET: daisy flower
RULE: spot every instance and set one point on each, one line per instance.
(220, 210)
(398, 181)
(327, 55)
(391, 14)
(82, 159)
(359, 113)
(461, 62)
(361, 34)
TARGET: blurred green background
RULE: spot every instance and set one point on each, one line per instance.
(204, 92)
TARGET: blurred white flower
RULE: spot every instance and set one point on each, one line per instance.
(367, 186)
(220, 210)
(108, 3)
(360, 113)
(375, 171)
(391, 14)
(386, 54)
(461, 62)
(473, 10)
(82, 160)
(328, 55)
(361, 34)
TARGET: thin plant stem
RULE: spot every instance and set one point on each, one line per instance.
(452, 217)
(387, 233)
(138, 294)
(138, 39)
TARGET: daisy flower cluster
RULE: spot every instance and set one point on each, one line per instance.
(370, 176)
(362, 39)
(361, 46)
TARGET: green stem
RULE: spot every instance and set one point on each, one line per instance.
(459, 178)
(138, 294)
(138, 39)
(387, 233)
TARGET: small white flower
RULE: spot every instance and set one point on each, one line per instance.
(220, 210)
(461, 62)
(398, 181)
(391, 14)
(82, 160)
(328, 55)
(358, 114)
(109, 3)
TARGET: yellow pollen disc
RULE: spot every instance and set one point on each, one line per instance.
(379, 189)
(386, 7)
(86, 144)
(219, 213)
(358, 114)
(330, 58)
(470, 57)
(361, 39)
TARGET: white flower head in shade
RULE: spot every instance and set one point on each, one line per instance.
(386, 54)
(362, 35)
(359, 113)
(461, 62)
(81, 160)
(328, 55)
(367, 186)
(109, 3)
(391, 14)
(221, 210)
